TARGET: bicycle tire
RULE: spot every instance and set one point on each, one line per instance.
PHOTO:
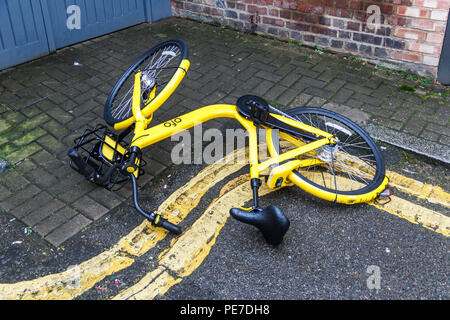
(336, 162)
(175, 48)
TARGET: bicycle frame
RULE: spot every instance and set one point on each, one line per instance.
(125, 161)
(144, 137)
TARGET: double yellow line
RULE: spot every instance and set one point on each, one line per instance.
(189, 250)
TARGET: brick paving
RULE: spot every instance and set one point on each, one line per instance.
(47, 103)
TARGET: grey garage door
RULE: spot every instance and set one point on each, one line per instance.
(96, 17)
(444, 64)
(32, 28)
(22, 32)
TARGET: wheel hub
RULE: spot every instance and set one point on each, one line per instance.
(147, 84)
(327, 152)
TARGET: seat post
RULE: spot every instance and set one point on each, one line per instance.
(255, 183)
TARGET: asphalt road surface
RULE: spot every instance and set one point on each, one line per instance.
(331, 251)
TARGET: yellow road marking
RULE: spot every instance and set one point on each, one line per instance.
(417, 214)
(402, 208)
(136, 243)
(433, 194)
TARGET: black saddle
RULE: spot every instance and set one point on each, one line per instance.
(254, 108)
(271, 221)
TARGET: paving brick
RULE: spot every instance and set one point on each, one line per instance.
(445, 140)
(367, 99)
(4, 125)
(383, 91)
(29, 137)
(60, 115)
(55, 220)
(71, 187)
(311, 82)
(155, 168)
(342, 95)
(29, 205)
(429, 135)
(46, 160)
(302, 100)
(19, 197)
(319, 92)
(105, 197)
(250, 84)
(67, 230)
(392, 103)
(357, 116)
(274, 92)
(317, 102)
(4, 193)
(289, 79)
(25, 152)
(262, 88)
(13, 180)
(403, 115)
(42, 211)
(32, 123)
(438, 129)
(414, 126)
(392, 124)
(335, 85)
(287, 97)
(41, 178)
(51, 144)
(90, 208)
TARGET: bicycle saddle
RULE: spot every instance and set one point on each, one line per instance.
(271, 221)
(253, 107)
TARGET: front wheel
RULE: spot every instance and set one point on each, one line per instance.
(158, 66)
(350, 171)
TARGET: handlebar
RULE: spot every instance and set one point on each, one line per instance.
(154, 218)
(85, 170)
(163, 223)
(89, 172)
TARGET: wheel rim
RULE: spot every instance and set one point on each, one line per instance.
(158, 67)
(352, 166)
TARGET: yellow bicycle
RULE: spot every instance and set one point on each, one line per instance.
(318, 150)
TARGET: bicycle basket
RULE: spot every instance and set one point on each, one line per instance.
(100, 149)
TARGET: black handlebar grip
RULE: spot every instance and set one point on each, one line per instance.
(163, 223)
(131, 165)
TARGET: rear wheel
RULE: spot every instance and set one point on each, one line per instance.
(350, 171)
(158, 66)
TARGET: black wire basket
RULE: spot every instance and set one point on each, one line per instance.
(100, 149)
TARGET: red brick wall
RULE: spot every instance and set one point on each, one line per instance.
(410, 33)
